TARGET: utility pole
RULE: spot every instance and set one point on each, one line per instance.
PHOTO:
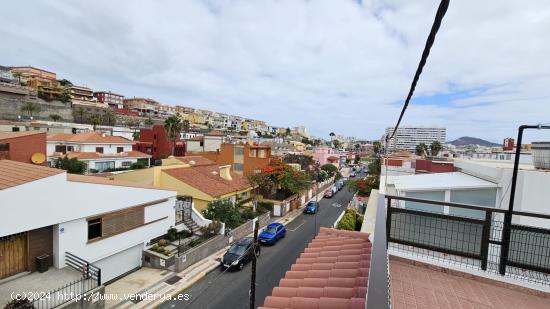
(253, 275)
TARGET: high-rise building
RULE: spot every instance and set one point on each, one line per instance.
(408, 137)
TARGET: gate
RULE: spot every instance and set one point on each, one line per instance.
(13, 254)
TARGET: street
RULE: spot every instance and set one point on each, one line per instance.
(230, 289)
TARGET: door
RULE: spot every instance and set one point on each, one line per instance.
(13, 254)
(120, 263)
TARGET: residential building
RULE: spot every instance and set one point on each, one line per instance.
(106, 223)
(167, 110)
(155, 142)
(321, 155)
(144, 106)
(194, 177)
(408, 137)
(84, 96)
(44, 82)
(115, 101)
(509, 144)
(26, 147)
(100, 151)
(278, 148)
(6, 76)
(244, 159)
(211, 141)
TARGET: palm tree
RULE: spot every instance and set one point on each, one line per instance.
(55, 117)
(185, 125)
(94, 120)
(332, 135)
(30, 108)
(435, 148)
(173, 126)
(79, 113)
(421, 149)
(109, 118)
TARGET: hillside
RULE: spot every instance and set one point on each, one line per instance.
(467, 140)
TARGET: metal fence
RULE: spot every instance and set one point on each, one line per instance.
(91, 279)
(471, 236)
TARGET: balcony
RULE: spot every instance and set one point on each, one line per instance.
(427, 259)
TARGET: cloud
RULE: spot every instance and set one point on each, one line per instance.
(332, 65)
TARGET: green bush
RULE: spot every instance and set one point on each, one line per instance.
(264, 206)
(163, 243)
(184, 234)
(223, 211)
(172, 234)
(351, 221)
(19, 303)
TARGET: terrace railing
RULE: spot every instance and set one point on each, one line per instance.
(471, 236)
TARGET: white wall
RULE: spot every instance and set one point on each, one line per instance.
(212, 143)
(53, 200)
(107, 148)
(72, 236)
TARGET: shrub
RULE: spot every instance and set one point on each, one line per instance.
(212, 229)
(264, 206)
(351, 221)
(224, 211)
(19, 303)
(184, 234)
(172, 234)
(163, 243)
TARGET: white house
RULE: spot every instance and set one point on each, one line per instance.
(208, 142)
(100, 151)
(479, 182)
(107, 223)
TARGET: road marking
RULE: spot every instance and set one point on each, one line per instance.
(303, 222)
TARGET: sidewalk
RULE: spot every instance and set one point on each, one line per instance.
(152, 284)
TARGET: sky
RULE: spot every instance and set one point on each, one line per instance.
(332, 65)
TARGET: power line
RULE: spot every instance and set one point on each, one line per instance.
(429, 42)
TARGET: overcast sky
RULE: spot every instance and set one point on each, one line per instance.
(331, 65)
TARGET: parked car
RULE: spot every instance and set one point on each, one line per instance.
(311, 208)
(340, 184)
(239, 254)
(334, 189)
(329, 193)
(272, 233)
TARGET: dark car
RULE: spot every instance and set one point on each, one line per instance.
(272, 233)
(311, 208)
(329, 193)
(239, 254)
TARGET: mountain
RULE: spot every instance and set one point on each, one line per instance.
(467, 140)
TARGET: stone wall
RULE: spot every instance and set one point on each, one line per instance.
(11, 102)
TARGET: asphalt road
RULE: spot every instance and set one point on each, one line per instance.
(230, 289)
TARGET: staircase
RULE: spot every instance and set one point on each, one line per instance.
(192, 225)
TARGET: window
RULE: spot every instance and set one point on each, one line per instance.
(15, 129)
(119, 149)
(239, 151)
(4, 147)
(94, 229)
(99, 149)
(126, 163)
(102, 166)
(261, 153)
(70, 148)
(238, 167)
(61, 149)
(253, 153)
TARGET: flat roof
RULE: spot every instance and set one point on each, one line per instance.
(497, 163)
(438, 181)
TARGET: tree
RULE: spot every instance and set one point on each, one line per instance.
(135, 136)
(65, 82)
(94, 120)
(30, 108)
(357, 159)
(303, 160)
(149, 121)
(332, 135)
(421, 149)
(336, 143)
(330, 169)
(109, 118)
(435, 148)
(282, 177)
(79, 113)
(357, 146)
(224, 211)
(55, 117)
(185, 124)
(376, 147)
(374, 167)
(72, 166)
(365, 186)
(173, 126)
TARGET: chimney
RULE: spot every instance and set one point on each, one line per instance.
(225, 172)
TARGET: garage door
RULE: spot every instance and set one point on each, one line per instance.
(13, 254)
(120, 263)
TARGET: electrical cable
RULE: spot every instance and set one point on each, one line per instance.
(429, 43)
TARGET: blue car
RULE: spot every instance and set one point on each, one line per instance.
(311, 208)
(272, 233)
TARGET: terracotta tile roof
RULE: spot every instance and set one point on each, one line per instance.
(332, 273)
(95, 155)
(8, 135)
(196, 160)
(109, 182)
(14, 173)
(207, 179)
(89, 137)
(197, 138)
(332, 158)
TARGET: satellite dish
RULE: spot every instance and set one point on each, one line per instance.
(38, 158)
